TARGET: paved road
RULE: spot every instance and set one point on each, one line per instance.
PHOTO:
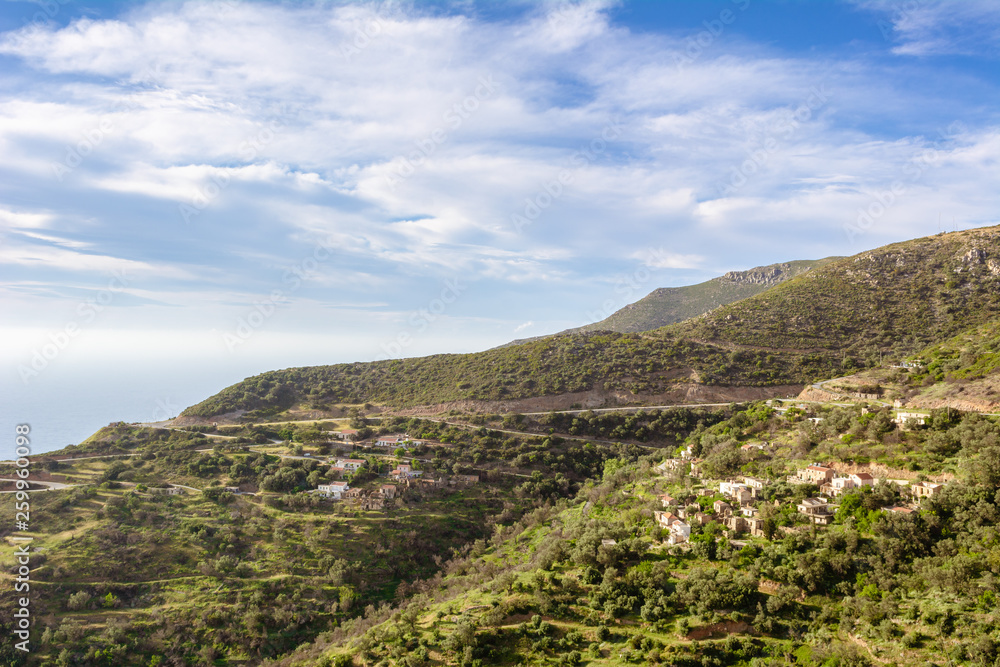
(184, 430)
(189, 488)
(85, 458)
(50, 486)
(635, 408)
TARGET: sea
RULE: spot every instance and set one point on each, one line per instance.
(70, 400)
(64, 405)
(89, 387)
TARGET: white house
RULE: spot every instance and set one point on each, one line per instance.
(669, 464)
(910, 418)
(816, 510)
(680, 532)
(667, 500)
(925, 489)
(333, 490)
(405, 470)
(349, 465)
(736, 491)
(391, 441)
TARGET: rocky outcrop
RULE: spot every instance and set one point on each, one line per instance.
(762, 275)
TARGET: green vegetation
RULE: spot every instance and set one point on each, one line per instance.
(588, 581)
(894, 300)
(836, 319)
(532, 539)
(669, 305)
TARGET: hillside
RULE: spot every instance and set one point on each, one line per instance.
(962, 372)
(895, 300)
(589, 370)
(669, 305)
(551, 554)
(842, 317)
(247, 562)
(596, 580)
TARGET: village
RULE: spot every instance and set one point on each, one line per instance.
(738, 502)
(342, 471)
(402, 477)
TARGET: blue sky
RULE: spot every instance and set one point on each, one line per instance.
(274, 184)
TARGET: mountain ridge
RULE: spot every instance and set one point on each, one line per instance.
(670, 305)
(838, 318)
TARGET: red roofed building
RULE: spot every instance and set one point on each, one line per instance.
(863, 479)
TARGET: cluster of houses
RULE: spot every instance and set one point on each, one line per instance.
(404, 474)
(368, 500)
(738, 511)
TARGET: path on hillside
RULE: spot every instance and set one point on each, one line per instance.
(51, 486)
(635, 408)
(473, 427)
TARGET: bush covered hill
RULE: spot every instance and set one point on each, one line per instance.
(622, 367)
(553, 558)
(963, 372)
(589, 579)
(669, 305)
(838, 318)
(122, 574)
(897, 300)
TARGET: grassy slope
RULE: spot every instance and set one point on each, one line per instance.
(898, 299)
(962, 372)
(669, 305)
(838, 601)
(630, 363)
(832, 596)
(895, 300)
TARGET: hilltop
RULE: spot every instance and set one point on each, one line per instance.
(893, 300)
(669, 305)
(838, 318)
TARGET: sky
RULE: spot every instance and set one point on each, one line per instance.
(250, 185)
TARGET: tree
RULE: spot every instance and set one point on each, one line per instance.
(78, 601)
(708, 589)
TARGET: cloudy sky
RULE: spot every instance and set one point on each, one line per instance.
(307, 182)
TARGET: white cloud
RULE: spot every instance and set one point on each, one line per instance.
(938, 27)
(200, 183)
(391, 149)
(66, 259)
(20, 220)
(658, 258)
